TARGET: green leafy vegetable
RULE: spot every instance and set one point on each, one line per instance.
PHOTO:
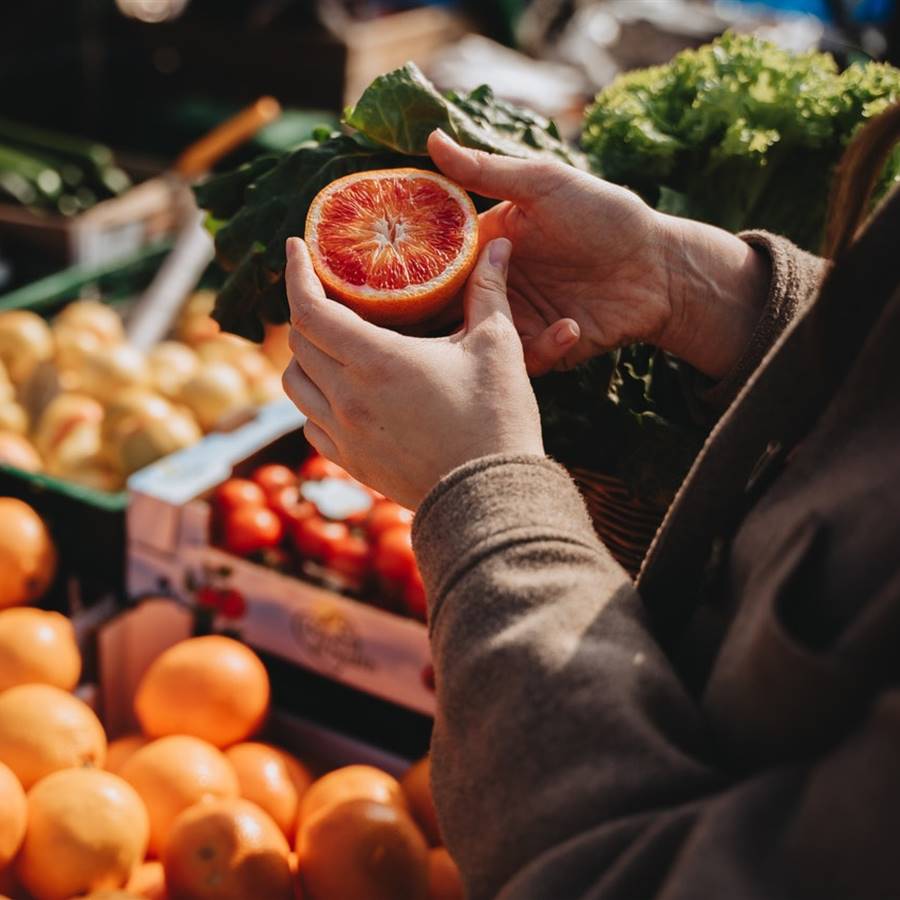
(739, 133)
(255, 208)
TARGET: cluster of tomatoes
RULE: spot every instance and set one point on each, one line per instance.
(318, 520)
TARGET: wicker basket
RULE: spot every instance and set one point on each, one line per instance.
(624, 522)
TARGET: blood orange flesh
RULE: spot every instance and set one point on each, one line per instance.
(394, 244)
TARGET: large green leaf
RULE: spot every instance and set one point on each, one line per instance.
(401, 108)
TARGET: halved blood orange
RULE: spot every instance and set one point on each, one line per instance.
(395, 245)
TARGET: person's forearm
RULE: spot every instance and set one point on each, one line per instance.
(556, 708)
(717, 288)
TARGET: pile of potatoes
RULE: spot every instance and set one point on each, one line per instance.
(78, 402)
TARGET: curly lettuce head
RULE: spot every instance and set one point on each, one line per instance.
(739, 133)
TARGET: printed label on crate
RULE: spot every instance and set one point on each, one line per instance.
(367, 648)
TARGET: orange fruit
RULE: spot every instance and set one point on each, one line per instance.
(273, 780)
(87, 830)
(362, 849)
(227, 850)
(148, 881)
(13, 815)
(37, 646)
(174, 773)
(44, 729)
(18, 452)
(212, 687)
(416, 785)
(395, 245)
(122, 749)
(27, 554)
(444, 880)
(351, 783)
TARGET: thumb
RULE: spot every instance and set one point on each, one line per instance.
(489, 174)
(486, 288)
(547, 350)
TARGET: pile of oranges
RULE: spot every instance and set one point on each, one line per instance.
(190, 808)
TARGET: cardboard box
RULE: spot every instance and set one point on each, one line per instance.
(336, 636)
(112, 230)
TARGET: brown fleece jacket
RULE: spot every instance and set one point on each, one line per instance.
(729, 727)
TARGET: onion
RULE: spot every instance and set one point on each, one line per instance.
(108, 372)
(92, 317)
(195, 324)
(25, 341)
(172, 365)
(65, 414)
(217, 392)
(13, 417)
(17, 451)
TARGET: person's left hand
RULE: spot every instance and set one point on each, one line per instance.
(399, 412)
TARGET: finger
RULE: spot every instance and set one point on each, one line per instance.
(304, 394)
(490, 174)
(331, 326)
(545, 351)
(319, 439)
(485, 295)
(322, 369)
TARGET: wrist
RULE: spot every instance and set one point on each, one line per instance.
(717, 286)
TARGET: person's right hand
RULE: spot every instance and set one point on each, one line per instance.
(595, 268)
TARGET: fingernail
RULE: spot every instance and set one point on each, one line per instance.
(499, 253)
(441, 134)
(291, 246)
(567, 333)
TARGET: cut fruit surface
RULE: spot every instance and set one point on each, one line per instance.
(395, 245)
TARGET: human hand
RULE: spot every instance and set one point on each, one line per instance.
(399, 412)
(595, 268)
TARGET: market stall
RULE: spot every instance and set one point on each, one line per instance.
(215, 671)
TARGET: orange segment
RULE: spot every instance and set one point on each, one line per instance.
(394, 244)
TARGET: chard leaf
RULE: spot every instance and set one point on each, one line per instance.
(401, 108)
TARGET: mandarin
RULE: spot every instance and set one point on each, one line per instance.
(444, 880)
(351, 783)
(172, 774)
(122, 749)
(416, 784)
(44, 729)
(211, 687)
(227, 850)
(13, 815)
(37, 647)
(27, 554)
(87, 830)
(273, 780)
(362, 849)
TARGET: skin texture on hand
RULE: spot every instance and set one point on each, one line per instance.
(595, 268)
(400, 412)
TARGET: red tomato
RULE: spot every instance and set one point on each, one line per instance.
(238, 492)
(318, 467)
(386, 515)
(249, 529)
(351, 556)
(273, 477)
(394, 557)
(314, 537)
(232, 604)
(287, 504)
(208, 596)
(414, 596)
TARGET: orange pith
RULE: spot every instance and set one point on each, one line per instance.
(394, 244)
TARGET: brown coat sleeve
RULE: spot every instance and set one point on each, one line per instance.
(796, 276)
(569, 763)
